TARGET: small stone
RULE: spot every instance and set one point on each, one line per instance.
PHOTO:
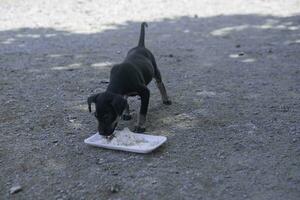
(104, 81)
(55, 141)
(294, 140)
(100, 161)
(241, 54)
(114, 189)
(115, 173)
(153, 182)
(118, 52)
(15, 189)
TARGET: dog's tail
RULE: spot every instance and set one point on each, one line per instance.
(142, 35)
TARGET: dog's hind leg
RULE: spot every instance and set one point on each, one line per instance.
(126, 115)
(160, 85)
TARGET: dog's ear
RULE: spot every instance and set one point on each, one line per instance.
(119, 104)
(90, 100)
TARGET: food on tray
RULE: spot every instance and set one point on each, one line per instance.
(126, 138)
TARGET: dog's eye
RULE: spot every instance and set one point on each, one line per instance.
(95, 114)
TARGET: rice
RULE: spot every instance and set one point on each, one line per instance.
(126, 138)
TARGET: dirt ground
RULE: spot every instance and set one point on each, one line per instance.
(231, 69)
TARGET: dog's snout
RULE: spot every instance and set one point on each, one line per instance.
(106, 131)
(101, 130)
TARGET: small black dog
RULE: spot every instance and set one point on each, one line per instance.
(130, 78)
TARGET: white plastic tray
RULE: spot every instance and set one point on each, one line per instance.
(142, 143)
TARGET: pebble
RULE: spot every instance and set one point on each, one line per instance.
(100, 161)
(115, 173)
(114, 189)
(294, 140)
(104, 81)
(15, 189)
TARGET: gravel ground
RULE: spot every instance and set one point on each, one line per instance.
(231, 69)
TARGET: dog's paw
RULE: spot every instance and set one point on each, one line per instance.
(126, 117)
(167, 102)
(138, 129)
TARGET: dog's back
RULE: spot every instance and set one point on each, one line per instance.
(137, 68)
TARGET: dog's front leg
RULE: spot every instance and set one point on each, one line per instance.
(144, 93)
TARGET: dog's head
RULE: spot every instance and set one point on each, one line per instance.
(109, 108)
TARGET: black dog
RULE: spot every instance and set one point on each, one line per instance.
(129, 78)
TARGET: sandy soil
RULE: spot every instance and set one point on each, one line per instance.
(231, 69)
